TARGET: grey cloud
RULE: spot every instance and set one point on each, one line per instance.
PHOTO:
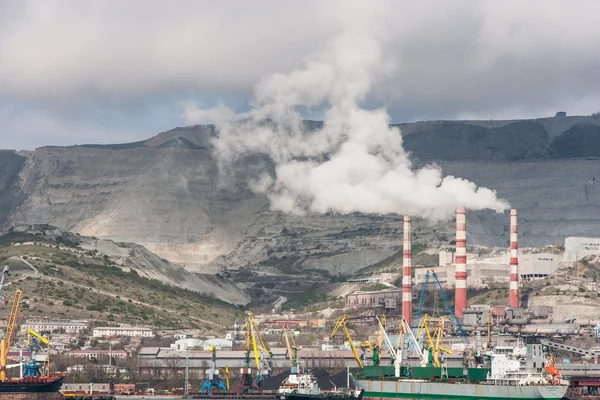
(451, 58)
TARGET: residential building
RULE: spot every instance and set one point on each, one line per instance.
(122, 331)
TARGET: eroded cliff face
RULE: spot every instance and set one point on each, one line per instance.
(167, 195)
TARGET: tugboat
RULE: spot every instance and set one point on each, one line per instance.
(301, 385)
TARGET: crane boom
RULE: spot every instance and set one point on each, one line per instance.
(10, 331)
(341, 323)
(31, 332)
(4, 273)
(262, 355)
(291, 346)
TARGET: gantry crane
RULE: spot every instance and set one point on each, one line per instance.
(10, 331)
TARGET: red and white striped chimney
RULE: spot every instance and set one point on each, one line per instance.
(514, 261)
(460, 302)
(406, 273)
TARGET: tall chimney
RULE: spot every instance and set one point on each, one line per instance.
(460, 302)
(514, 261)
(406, 273)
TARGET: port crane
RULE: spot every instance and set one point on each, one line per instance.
(10, 331)
(32, 368)
(343, 322)
(435, 344)
(449, 309)
(245, 382)
(376, 348)
(291, 346)
(214, 382)
(397, 350)
(262, 355)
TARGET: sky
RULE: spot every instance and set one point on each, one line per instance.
(74, 72)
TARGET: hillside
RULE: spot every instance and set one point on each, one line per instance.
(63, 277)
(165, 193)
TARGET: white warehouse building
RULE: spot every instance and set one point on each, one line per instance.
(577, 247)
(187, 344)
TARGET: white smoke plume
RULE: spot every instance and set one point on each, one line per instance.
(355, 162)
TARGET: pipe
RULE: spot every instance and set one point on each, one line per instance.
(407, 273)
(581, 322)
(523, 321)
(514, 261)
(460, 302)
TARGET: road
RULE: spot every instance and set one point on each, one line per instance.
(277, 305)
(35, 270)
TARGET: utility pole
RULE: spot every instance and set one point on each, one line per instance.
(187, 372)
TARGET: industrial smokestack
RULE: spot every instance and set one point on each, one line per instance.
(460, 301)
(406, 273)
(514, 261)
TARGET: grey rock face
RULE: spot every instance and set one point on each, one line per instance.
(167, 195)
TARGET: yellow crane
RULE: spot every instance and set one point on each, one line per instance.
(262, 355)
(438, 349)
(342, 323)
(46, 341)
(10, 331)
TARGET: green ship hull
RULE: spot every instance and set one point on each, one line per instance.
(421, 389)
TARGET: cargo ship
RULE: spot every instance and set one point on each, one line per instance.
(509, 374)
(42, 384)
(33, 383)
(301, 385)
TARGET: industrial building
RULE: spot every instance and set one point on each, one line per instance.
(578, 247)
(387, 298)
(221, 344)
(538, 265)
(384, 277)
(96, 353)
(481, 272)
(187, 343)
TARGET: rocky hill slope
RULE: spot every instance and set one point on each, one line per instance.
(165, 193)
(130, 257)
(63, 275)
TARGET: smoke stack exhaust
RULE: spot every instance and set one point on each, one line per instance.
(514, 261)
(460, 302)
(406, 273)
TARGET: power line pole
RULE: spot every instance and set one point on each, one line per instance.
(187, 373)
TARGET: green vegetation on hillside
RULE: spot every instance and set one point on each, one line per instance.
(75, 283)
